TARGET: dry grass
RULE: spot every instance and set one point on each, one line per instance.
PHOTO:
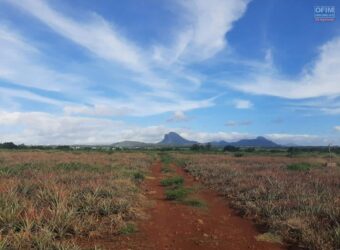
(47, 199)
(302, 207)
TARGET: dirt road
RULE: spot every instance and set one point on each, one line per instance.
(177, 226)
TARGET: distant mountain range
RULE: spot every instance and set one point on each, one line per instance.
(259, 141)
(175, 140)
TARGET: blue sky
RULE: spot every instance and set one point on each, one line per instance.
(99, 72)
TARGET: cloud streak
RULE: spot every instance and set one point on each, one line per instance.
(203, 35)
(105, 42)
(96, 35)
(30, 70)
(242, 104)
(238, 123)
(319, 80)
(178, 116)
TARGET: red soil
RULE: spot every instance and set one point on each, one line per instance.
(176, 226)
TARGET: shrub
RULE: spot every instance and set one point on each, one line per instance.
(166, 169)
(128, 229)
(176, 194)
(194, 203)
(230, 149)
(195, 147)
(250, 149)
(138, 176)
(238, 154)
(172, 181)
(299, 166)
(165, 158)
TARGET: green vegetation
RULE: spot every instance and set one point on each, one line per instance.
(238, 154)
(173, 181)
(166, 169)
(201, 147)
(166, 158)
(302, 166)
(296, 202)
(175, 191)
(77, 166)
(194, 202)
(231, 149)
(47, 199)
(138, 176)
(177, 194)
(128, 229)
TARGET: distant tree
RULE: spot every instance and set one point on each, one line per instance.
(336, 150)
(230, 148)
(167, 149)
(8, 145)
(22, 146)
(195, 147)
(250, 149)
(238, 154)
(63, 147)
(291, 151)
(208, 146)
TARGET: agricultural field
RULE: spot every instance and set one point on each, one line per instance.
(54, 199)
(292, 199)
(77, 199)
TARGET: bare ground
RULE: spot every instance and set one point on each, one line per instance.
(177, 226)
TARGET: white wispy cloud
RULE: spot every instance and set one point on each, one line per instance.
(242, 104)
(238, 123)
(102, 40)
(21, 64)
(29, 72)
(337, 128)
(138, 106)
(205, 26)
(178, 116)
(96, 35)
(318, 79)
(325, 105)
(204, 137)
(16, 93)
(299, 139)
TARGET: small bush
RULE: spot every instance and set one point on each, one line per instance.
(128, 229)
(229, 148)
(166, 169)
(299, 166)
(176, 194)
(194, 203)
(138, 176)
(172, 181)
(165, 158)
(238, 154)
(250, 150)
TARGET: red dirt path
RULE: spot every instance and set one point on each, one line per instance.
(176, 226)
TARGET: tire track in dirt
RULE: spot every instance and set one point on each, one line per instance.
(176, 226)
